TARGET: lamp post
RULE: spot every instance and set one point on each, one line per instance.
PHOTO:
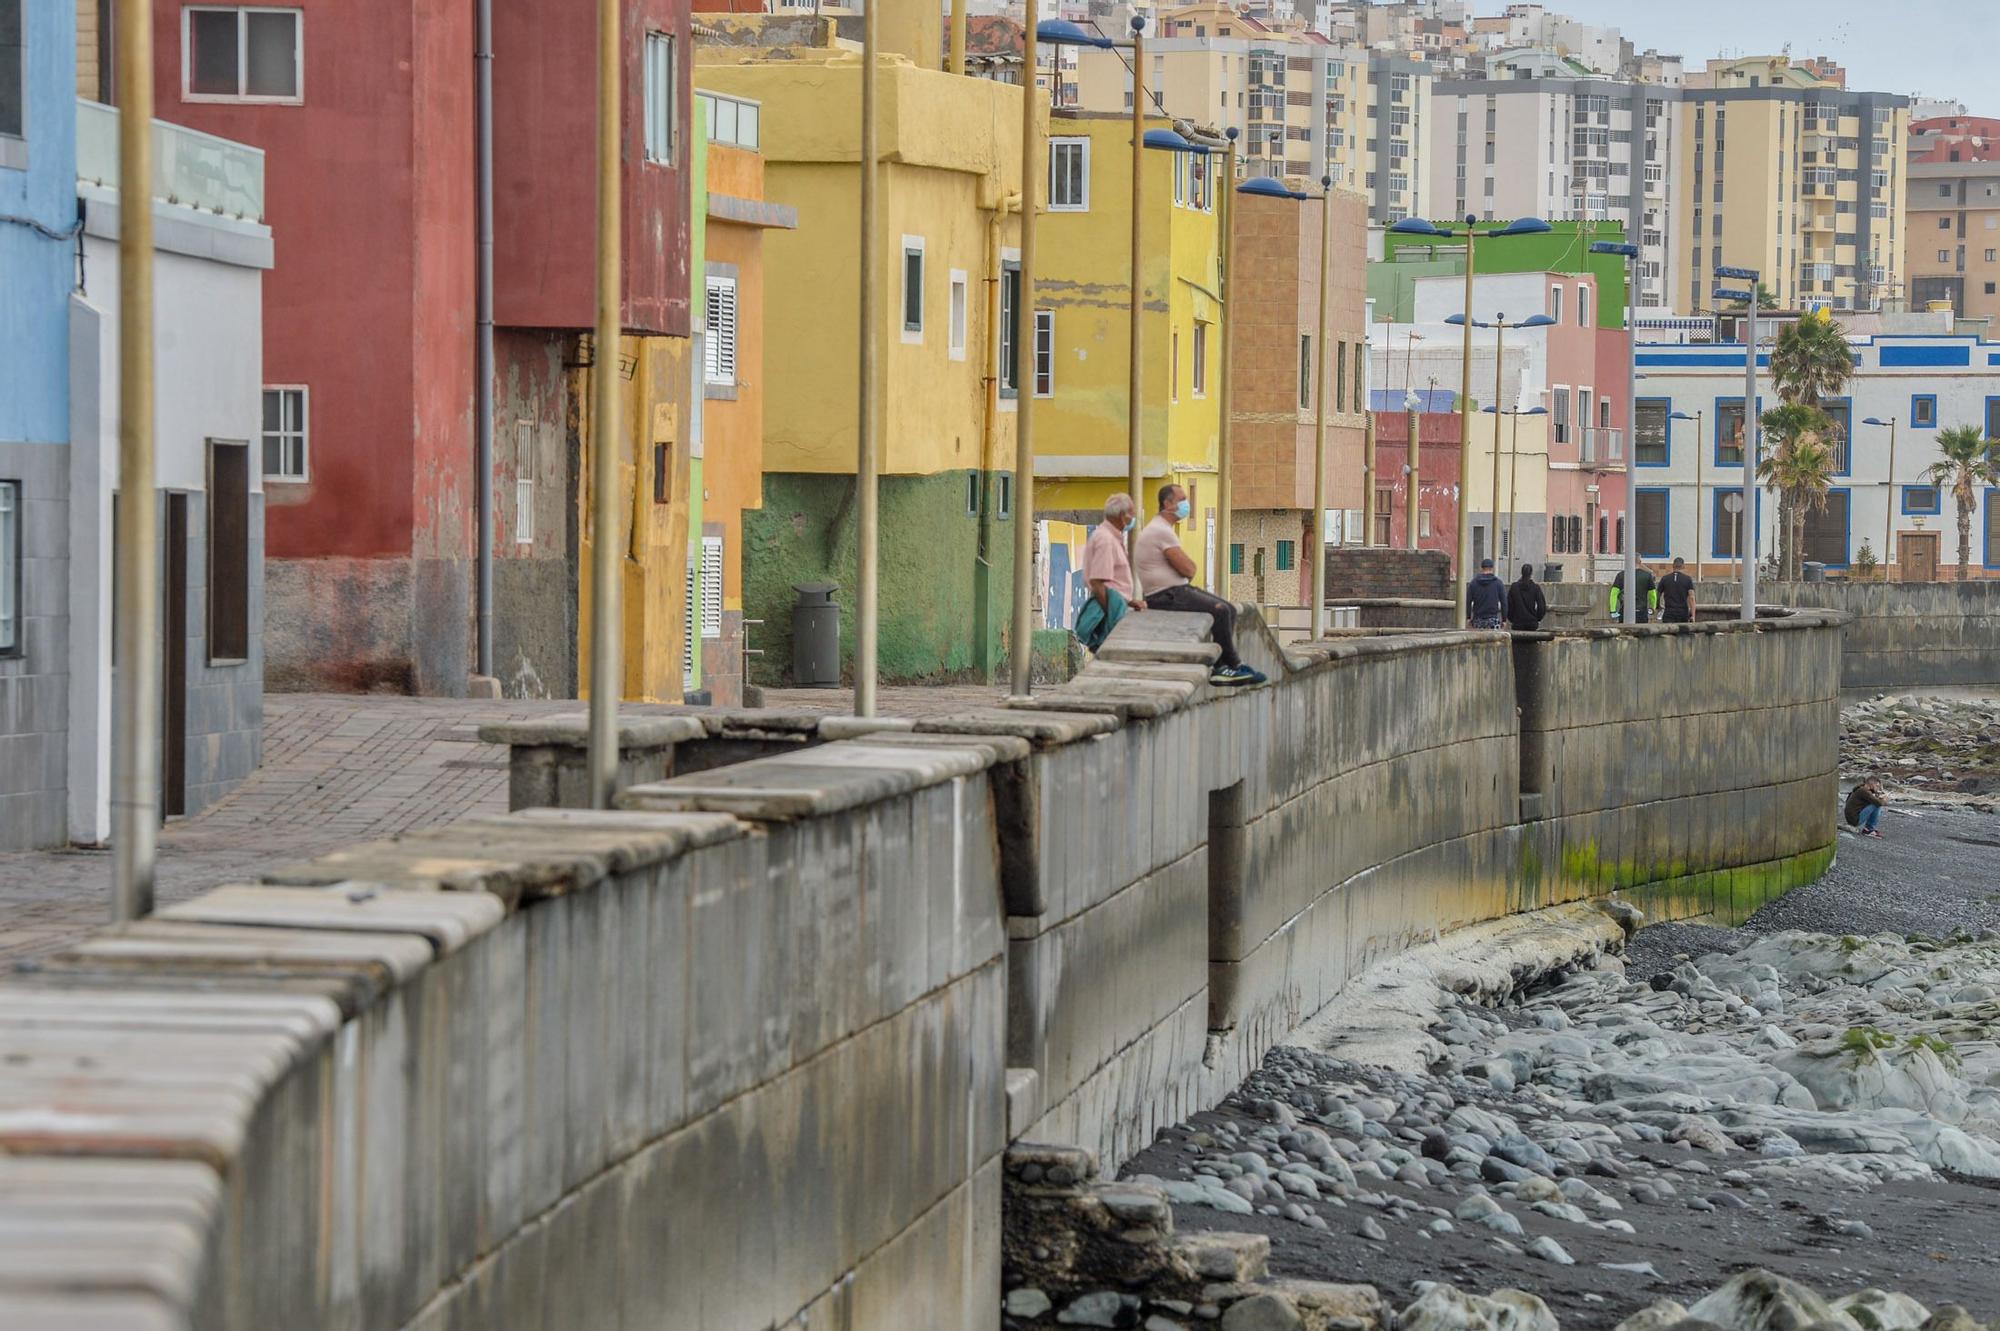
(1416, 226)
(606, 619)
(1225, 487)
(1499, 325)
(1630, 253)
(1411, 460)
(1673, 416)
(1033, 178)
(1746, 541)
(1889, 497)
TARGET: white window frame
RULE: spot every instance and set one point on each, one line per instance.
(719, 361)
(960, 313)
(303, 434)
(1583, 303)
(242, 38)
(1198, 364)
(524, 482)
(1556, 302)
(12, 543)
(1044, 367)
(14, 146)
(914, 335)
(657, 108)
(1081, 204)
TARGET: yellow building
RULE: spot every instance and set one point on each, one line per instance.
(949, 195)
(1082, 361)
(1797, 177)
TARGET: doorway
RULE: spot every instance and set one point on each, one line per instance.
(1919, 556)
(173, 659)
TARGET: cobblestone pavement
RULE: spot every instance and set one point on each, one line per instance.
(339, 768)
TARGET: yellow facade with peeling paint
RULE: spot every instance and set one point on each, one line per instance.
(1083, 290)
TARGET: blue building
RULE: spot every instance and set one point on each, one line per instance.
(39, 239)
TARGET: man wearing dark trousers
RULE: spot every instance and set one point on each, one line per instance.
(1526, 605)
(1677, 596)
(1164, 571)
(1485, 598)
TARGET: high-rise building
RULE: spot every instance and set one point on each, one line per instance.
(1783, 171)
(1562, 148)
(1952, 241)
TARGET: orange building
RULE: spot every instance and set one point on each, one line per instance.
(732, 470)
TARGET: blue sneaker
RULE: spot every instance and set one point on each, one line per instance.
(1236, 676)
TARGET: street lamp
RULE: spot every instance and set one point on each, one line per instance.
(1417, 226)
(1673, 416)
(1746, 543)
(1513, 468)
(1499, 324)
(1630, 253)
(1889, 497)
(1225, 488)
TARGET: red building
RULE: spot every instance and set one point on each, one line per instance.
(1437, 477)
(366, 112)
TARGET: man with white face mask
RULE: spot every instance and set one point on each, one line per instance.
(1164, 571)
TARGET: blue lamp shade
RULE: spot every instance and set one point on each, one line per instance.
(1870, 420)
(1168, 140)
(1266, 187)
(1738, 274)
(1612, 247)
(1455, 320)
(1535, 321)
(1416, 226)
(1536, 411)
(1061, 32)
(1523, 226)
(1683, 416)
(1489, 410)
(1731, 293)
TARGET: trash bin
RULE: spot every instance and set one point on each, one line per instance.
(1815, 571)
(815, 636)
(1552, 573)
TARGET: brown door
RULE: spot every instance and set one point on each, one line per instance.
(1919, 554)
(173, 660)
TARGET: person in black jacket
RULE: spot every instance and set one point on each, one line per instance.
(1677, 595)
(1525, 603)
(1649, 597)
(1485, 598)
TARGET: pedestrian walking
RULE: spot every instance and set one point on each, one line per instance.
(1677, 595)
(1526, 606)
(1864, 807)
(1165, 571)
(1649, 597)
(1485, 598)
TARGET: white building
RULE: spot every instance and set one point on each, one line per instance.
(1921, 382)
(1562, 149)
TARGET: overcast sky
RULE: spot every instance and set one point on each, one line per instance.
(1941, 48)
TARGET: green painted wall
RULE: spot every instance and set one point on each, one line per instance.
(943, 606)
(1564, 249)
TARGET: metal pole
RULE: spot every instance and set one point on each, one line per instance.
(1023, 632)
(1319, 415)
(867, 461)
(1367, 470)
(482, 466)
(1631, 597)
(1134, 385)
(1460, 567)
(1746, 537)
(606, 636)
(1699, 512)
(958, 20)
(1889, 503)
(1410, 497)
(1225, 486)
(135, 799)
(1499, 355)
(1513, 479)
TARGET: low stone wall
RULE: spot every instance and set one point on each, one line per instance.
(748, 1051)
(1900, 635)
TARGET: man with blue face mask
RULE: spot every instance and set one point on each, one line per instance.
(1164, 570)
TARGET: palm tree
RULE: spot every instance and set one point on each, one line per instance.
(1966, 467)
(1800, 466)
(1810, 363)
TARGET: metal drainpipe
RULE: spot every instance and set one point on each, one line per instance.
(607, 659)
(1022, 628)
(483, 336)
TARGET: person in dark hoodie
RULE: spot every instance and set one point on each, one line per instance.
(1863, 812)
(1525, 603)
(1485, 598)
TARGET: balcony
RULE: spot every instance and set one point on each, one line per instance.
(1601, 445)
(190, 169)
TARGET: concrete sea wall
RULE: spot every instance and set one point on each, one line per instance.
(747, 1052)
(1900, 635)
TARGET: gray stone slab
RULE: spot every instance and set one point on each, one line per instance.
(449, 919)
(572, 730)
(824, 780)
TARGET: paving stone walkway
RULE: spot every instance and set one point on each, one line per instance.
(339, 768)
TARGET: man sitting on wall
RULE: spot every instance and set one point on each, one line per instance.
(1164, 571)
(1108, 573)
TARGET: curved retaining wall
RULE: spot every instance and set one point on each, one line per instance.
(747, 1053)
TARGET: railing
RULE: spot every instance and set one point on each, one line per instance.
(190, 168)
(1602, 443)
(732, 120)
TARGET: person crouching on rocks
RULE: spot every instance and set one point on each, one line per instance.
(1864, 807)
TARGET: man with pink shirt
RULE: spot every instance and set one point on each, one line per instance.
(1108, 573)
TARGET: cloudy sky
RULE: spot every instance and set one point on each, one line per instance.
(1941, 48)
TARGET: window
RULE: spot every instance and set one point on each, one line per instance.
(1069, 175)
(913, 288)
(524, 480)
(1944, 256)
(1923, 411)
(1840, 412)
(688, 627)
(1651, 446)
(1360, 394)
(1201, 360)
(1727, 526)
(1340, 375)
(1993, 418)
(285, 434)
(1555, 302)
(1944, 224)
(1045, 353)
(1174, 368)
(1235, 557)
(1004, 487)
(1603, 534)
(240, 54)
(10, 568)
(711, 586)
(1729, 432)
(1305, 370)
(732, 120)
(1559, 413)
(1923, 500)
(659, 109)
(1423, 522)
(1992, 528)
(1650, 518)
(959, 297)
(13, 83)
(1826, 531)
(1992, 255)
(1009, 356)
(972, 494)
(228, 551)
(719, 344)
(1582, 306)
(1286, 558)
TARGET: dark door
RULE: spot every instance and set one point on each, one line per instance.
(173, 663)
(1919, 556)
